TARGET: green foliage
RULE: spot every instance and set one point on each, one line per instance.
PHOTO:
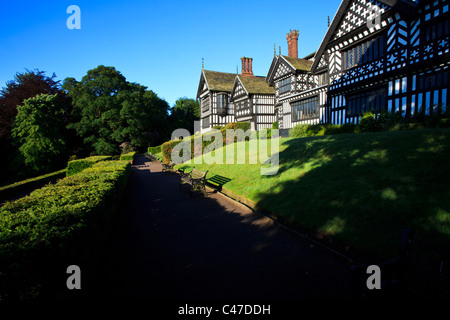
(154, 150)
(298, 131)
(37, 132)
(76, 166)
(32, 183)
(109, 110)
(238, 125)
(369, 123)
(128, 156)
(43, 233)
(184, 113)
(166, 149)
(275, 125)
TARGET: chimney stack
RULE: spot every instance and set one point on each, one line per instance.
(246, 67)
(292, 39)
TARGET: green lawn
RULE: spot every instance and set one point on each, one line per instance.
(362, 189)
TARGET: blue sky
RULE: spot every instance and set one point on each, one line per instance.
(159, 44)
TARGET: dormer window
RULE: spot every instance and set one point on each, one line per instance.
(285, 85)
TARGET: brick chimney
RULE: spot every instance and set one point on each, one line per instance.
(292, 39)
(246, 66)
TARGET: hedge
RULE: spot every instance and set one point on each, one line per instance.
(167, 147)
(154, 150)
(128, 156)
(56, 226)
(8, 191)
(75, 166)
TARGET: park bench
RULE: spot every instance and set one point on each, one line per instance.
(195, 178)
(421, 270)
(168, 167)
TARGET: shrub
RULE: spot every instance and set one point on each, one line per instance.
(368, 122)
(238, 125)
(56, 226)
(7, 192)
(128, 156)
(298, 131)
(166, 149)
(154, 150)
(75, 166)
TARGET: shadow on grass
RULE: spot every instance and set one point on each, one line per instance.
(364, 189)
(217, 181)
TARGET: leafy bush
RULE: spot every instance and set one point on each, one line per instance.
(369, 123)
(298, 131)
(166, 149)
(238, 125)
(128, 156)
(154, 150)
(56, 226)
(75, 166)
(29, 184)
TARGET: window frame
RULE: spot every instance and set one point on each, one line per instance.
(308, 107)
(285, 87)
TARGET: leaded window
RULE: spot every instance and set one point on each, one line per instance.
(373, 100)
(285, 85)
(305, 109)
(222, 104)
(364, 52)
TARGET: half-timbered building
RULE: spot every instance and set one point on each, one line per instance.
(253, 98)
(214, 97)
(386, 56)
(300, 96)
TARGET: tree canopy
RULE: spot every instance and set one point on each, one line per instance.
(25, 85)
(184, 113)
(37, 131)
(108, 110)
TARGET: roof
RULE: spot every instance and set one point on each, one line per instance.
(299, 64)
(256, 85)
(219, 81)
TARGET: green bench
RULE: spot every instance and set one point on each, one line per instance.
(196, 179)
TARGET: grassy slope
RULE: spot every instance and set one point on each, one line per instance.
(360, 188)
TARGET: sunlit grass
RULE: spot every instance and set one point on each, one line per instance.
(360, 188)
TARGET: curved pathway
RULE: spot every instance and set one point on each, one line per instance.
(171, 246)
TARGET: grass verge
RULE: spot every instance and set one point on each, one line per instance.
(361, 189)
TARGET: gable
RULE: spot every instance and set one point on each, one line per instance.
(238, 89)
(354, 14)
(357, 14)
(202, 85)
(282, 69)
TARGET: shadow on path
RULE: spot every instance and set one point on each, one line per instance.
(171, 246)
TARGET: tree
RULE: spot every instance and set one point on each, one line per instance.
(184, 113)
(108, 110)
(25, 85)
(37, 132)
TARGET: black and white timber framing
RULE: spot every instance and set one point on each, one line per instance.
(214, 97)
(377, 55)
(253, 100)
(400, 64)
